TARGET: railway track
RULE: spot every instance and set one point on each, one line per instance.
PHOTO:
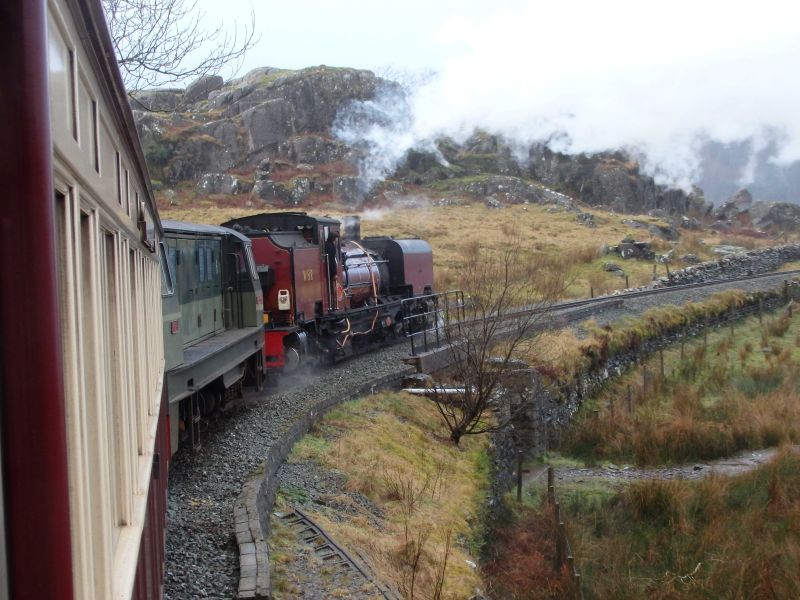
(329, 553)
(431, 339)
(625, 295)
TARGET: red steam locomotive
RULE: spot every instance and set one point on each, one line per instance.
(328, 293)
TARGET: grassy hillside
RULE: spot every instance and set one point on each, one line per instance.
(715, 538)
(455, 232)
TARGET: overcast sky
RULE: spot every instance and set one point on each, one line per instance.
(654, 77)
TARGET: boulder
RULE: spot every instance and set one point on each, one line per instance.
(611, 266)
(158, 100)
(776, 216)
(690, 223)
(629, 250)
(726, 250)
(493, 202)
(736, 207)
(690, 259)
(585, 218)
(665, 232)
(270, 191)
(221, 183)
(201, 87)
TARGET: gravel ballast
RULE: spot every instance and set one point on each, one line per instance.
(201, 556)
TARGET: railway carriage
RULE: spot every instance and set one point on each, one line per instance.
(85, 431)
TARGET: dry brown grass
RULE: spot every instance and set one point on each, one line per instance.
(455, 232)
(522, 555)
(393, 450)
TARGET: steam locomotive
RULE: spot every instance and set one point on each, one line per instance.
(328, 293)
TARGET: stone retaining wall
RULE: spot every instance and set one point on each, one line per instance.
(754, 262)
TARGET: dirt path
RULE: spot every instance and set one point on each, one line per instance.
(732, 465)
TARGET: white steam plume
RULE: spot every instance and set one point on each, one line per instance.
(657, 79)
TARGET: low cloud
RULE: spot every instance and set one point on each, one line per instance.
(660, 81)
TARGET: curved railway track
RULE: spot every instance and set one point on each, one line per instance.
(202, 557)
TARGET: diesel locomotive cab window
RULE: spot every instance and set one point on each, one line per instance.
(167, 287)
(251, 264)
(201, 259)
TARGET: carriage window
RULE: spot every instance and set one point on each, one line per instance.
(71, 87)
(118, 173)
(167, 288)
(95, 137)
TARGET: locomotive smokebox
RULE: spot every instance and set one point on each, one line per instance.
(351, 225)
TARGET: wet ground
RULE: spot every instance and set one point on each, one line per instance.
(732, 465)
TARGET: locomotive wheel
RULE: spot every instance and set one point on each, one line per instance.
(292, 358)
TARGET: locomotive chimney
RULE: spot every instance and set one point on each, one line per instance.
(352, 227)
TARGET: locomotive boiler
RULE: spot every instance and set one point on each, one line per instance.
(326, 296)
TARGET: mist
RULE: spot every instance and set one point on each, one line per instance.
(662, 81)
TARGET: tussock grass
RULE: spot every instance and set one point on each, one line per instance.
(522, 555)
(561, 355)
(729, 395)
(392, 449)
(714, 538)
(455, 232)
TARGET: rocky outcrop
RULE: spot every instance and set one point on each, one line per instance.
(776, 216)
(612, 180)
(273, 114)
(268, 112)
(736, 209)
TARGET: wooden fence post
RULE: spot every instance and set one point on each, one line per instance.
(519, 475)
(661, 359)
(559, 545)
(644, 382)
(551, 490)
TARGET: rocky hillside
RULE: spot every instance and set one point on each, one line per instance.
(267, 138)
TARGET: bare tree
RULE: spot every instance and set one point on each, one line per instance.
(162, 42)
(508, 300)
